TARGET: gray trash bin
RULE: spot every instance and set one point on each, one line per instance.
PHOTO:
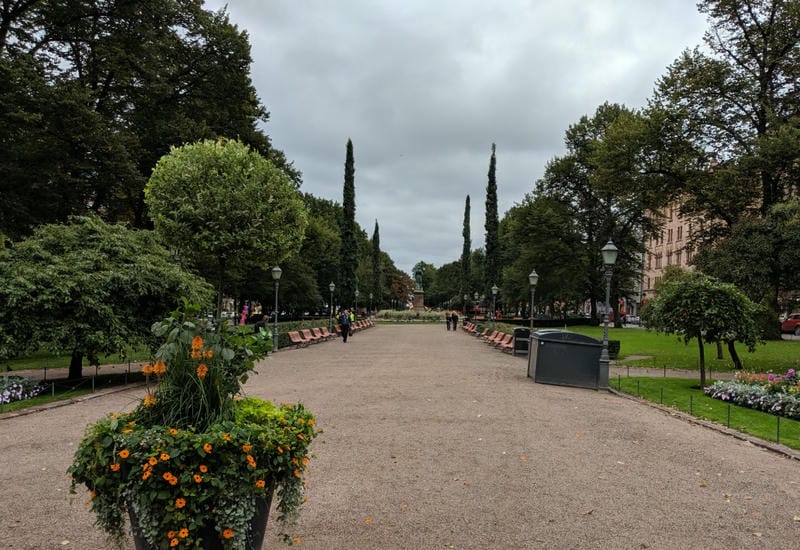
(522, 337)
(566, 358)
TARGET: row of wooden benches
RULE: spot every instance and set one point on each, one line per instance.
(303, 337)
(495, 338)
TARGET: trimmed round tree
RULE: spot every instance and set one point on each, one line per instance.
(220, 204)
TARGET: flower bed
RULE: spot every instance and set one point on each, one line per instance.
(773, 393)
(16, 388)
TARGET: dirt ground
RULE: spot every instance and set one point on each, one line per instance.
(434, 440)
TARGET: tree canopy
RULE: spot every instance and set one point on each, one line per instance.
(87, 288)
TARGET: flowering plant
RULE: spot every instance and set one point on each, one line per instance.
(774, 393)
(194, 463)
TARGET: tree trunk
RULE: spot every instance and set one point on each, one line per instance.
(702, 363)
(737, 363)
(75, 365)
(719, 350)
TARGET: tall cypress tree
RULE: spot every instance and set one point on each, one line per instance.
(491, 271)
(466, 256)
(348, 255)
(377, 286)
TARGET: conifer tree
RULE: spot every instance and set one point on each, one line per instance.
(376, 266)
(348, 256)
(491, 271)
(466, 256)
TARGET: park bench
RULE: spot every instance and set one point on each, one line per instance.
(507, 345)
(504, 340)
(318, 333)
(308, 336)
(326, 333)
(492, 335)
(297, 340)
(483, 333)
(496, 338)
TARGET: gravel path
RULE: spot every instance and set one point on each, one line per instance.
(433, 440)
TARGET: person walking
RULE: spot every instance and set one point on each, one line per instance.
(447, 319)
(344, 323)
(454, 320)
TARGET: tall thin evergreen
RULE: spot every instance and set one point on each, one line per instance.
(491, 271)
(466, 255)
(348, 256)
(377, 286)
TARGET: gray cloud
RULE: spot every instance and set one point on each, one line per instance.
(423, 88)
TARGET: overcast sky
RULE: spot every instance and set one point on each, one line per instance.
(424, 87)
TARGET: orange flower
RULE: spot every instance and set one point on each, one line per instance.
(164, 457)
(173, 431)
(197, 354)
(183, 533)
(202, 370)
(311, 422)
(261, 483)
(198, 478)
(159, 368)
(173, 480)
(127, 431)
(197, 342)
(115, 467)
(174, 542)
(152, 461)
(147, 474)
(296, 473)
(147, 369)
(171, 535)
(124, 453)
(296, 540)
(301, 436)
(246, 448)
(251, 461)
(226, 437)
(203, 468)
(149, 400)
(280, 451)
(227, 534)
(92, 494)
(180, 502)
(305, 461)
(207, 447)
(208, 354)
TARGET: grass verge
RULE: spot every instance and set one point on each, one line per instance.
(685, 395)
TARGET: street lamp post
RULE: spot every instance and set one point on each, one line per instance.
(356, 311)
(276, 276)
(495, 290)
(609, 252)
(331, 287)
(477, 303)
(465, 304)
(533, 279)
(370, 302)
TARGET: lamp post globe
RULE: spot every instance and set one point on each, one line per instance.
(276, 276)
(356, 293)
(331, 287)
(609, 252)
(495, 290)
(533, 280)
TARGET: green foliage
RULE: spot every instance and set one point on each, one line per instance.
(699, 307)
(191, 462)
(220, 203)
(466, 250)
(348, 255)
(491, 223)
(87, 288)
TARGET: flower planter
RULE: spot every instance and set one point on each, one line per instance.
(211, 538)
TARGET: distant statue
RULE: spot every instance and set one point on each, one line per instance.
(418, 279)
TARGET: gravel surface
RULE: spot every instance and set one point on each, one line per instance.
(434, 440)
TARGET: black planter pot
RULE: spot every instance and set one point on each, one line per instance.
(211, 538)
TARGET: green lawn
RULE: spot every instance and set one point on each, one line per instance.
(662, 350)
(46, 360)
(683, 394)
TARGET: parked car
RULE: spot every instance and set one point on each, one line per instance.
(791, 324)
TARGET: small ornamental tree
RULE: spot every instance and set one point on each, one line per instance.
(696, 306)
(88, 288)
(219, 204)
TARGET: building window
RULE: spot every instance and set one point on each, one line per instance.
(669, 258)
(648, 284)
(658, 261)
(677, 257)
(669, 235)
(649, 261)
(680, 232)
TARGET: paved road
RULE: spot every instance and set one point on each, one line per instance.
(433, 440)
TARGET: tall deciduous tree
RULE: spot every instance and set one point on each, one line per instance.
(219, 203)
(698, 307)
(348, 256)
(466, 259)
(491, 223)
(88, 288)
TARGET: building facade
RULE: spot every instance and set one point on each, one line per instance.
(671, 248)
